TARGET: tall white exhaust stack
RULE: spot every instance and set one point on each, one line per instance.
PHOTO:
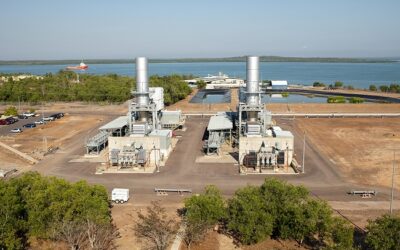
(142, 81)
(252, 85)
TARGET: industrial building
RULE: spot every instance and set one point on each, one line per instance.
(219, 132)
(261, 146)
(220, 81)
(141, 140)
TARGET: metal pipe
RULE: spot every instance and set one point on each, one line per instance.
(252, 85)
(142, 81)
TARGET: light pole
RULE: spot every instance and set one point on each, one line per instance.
(392, 192)
(304, 152)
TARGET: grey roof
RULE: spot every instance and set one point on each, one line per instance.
(161, 132)
(171, 117)
(283, 133)
(219, 122)
(279, 83)
(116, 124)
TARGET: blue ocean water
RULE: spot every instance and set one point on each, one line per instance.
(360, 75)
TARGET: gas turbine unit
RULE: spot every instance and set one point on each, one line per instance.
(262, 146)
(143, 114)
(146, 146)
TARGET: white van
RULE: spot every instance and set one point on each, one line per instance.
(120, 195)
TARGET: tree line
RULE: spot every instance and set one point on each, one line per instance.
(275, 210)
(391, 88)
(65, 86)
(48, 208)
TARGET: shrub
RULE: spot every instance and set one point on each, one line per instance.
(383, 88)
(383, 233)
(356, 100)
(201, 84)
(341, 234)
(11, 111)
(208, 207)
(338, 84)
(372, 88)
(44, 207)
(247, 217)
(336, 99)
(318, 84)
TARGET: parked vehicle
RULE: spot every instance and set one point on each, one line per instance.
(28, 114)
(3, 122)
(16, 130)
(40, 122)
(120, 195)
(11, 120)
(48, 118)
(57, 115)
(22, 117)
(29, 125)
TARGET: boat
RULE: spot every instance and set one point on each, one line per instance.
(81, 66)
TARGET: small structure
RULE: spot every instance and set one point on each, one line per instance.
(171, 119)
(117, 127)
(96, 143)
(219, 131)
(279, 84)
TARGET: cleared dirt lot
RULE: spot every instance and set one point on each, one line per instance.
(36, 141)
(361, 148)
(357, 136)
(334, 108)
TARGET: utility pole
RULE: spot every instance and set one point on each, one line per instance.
(42, 101)
(392, 193)
(304, 152)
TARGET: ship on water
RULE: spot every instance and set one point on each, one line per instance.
(81, 66)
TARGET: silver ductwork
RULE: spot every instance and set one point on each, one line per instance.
(252, 85)
(142, 81)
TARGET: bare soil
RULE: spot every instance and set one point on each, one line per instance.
(334, 107)
(56, 134)
(125, 217)
(361, 148)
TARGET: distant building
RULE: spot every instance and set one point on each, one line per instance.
(16, 78)
(279, 84)
(218, 81)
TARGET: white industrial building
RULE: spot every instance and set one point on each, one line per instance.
(141, 140)
(220, 81)
(279, 84)
(262, 146)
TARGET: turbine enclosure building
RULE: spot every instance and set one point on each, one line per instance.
(262, 146)
(145, 144)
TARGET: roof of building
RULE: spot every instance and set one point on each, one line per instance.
(283, 133)
(279, 83)
(161, 132)
(219, 122)
(276, 128)
(116, 124)
(171, 117)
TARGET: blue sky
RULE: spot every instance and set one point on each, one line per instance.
(49, 29)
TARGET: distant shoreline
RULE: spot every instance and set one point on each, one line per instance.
(204, 60)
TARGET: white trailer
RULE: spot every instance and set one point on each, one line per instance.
(120, 195)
